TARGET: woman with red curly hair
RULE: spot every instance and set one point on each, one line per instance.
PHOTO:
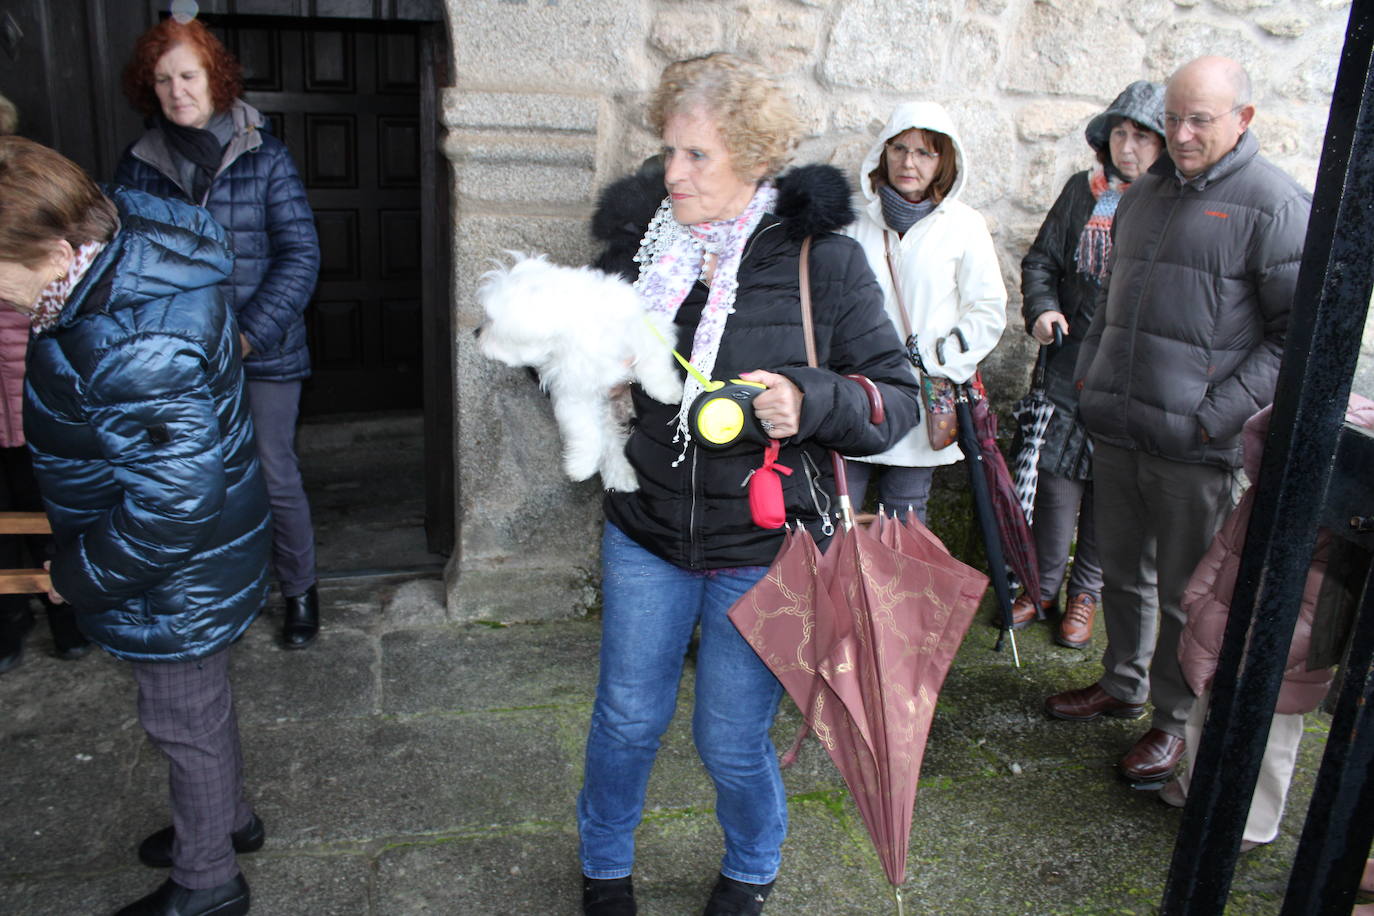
(207, 146)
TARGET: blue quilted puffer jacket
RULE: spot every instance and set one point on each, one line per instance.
(258, 196)
(143, 446)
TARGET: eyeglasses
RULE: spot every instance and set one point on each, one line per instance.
(1197, 122)
(902, 151)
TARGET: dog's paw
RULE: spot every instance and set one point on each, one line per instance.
(660, 383)
(579, 466)
(616, 474)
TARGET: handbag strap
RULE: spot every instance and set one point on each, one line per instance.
(809, 332)
(877, 413)
(804, 288)
(896, 287)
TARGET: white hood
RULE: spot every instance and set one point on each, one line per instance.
(926, 116)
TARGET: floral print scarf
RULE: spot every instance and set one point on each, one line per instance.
(54, 296)
(671, 257)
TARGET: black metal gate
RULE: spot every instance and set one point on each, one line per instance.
(1316, 473)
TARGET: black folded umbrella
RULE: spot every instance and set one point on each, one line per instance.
(984, 512)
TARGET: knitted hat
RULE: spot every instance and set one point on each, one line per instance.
(1142, 102)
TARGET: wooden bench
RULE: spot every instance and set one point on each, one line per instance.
(24, 581)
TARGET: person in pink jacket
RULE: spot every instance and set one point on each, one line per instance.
(1207, 602)
(19, 492)
(18, 489)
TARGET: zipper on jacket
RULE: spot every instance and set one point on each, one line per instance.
(694, 551)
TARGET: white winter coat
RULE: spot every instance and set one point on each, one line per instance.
(948, 271)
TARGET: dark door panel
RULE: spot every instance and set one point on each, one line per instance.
(346, 101)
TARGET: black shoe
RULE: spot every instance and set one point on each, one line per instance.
(302, 619)
(171, 899)
(68, 642)
(156, 850)
(14, 626)
(608, 896)
(736, 898)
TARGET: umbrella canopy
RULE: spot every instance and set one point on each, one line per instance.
(1032, 414)
(862, 637)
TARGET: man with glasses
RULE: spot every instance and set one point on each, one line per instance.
(1184, 347)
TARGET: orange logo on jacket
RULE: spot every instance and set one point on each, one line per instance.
(1217, 215)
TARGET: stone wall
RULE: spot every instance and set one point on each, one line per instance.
(546, 106)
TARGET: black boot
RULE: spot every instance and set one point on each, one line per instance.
(15, 622)
(302, 619)
(171, 899)
(608, 896)
(68, 642)
(156, 850)
(736, 898)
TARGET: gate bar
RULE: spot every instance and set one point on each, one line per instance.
(1327, 321)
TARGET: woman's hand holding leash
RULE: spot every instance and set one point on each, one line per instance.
(779, 408)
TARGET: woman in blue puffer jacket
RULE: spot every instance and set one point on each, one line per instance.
(144, 453)
(205, 145)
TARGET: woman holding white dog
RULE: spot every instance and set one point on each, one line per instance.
(721, 257)
(942, 285)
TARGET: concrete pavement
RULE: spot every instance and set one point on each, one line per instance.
(408, 764)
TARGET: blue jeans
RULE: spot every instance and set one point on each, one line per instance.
(650, 609)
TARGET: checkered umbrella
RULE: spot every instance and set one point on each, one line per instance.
(1032, 414)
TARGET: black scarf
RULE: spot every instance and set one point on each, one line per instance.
(201, 148)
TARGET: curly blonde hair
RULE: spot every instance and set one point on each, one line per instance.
(755, 117)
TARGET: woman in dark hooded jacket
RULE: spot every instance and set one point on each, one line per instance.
(720, 256)
(144, 454)
(1061, 276)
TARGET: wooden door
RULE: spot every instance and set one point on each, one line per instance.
(345, 98)
(60, 65)
(356, 101)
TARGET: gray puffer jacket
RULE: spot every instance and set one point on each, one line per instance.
(1186, 340)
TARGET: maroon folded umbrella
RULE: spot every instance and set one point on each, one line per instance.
(862, 638)
(1018, 546)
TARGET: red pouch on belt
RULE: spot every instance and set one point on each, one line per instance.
(765, 490)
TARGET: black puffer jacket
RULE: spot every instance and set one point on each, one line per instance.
(1050, 282)
(696, 515)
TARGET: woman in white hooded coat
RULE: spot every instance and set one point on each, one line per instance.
(945, 267)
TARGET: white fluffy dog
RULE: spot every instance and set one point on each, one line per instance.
(585, 333)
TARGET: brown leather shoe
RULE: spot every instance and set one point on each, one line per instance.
(1088, 703)
(1024, 611)
(1076, 629)
(1153, 758)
